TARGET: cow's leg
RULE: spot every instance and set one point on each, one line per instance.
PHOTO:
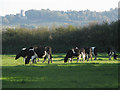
(44, 59)
(24, 59)
(51, 58)
(78, 58)
(65, 59)
(110, 57)
(115, 56)
(48, 58)
(33, 58)
(95, 57)
(48, 62)
(70, 60)
(83, 57)
(38, 59)
(87, 57)
(32, 61)
(27, 59)
(91, 56)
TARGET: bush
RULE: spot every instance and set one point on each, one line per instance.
(62, 38)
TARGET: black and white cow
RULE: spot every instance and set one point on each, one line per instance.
(39, 52)
(23, 53)
(92, 51)
(112, 52)
(75, 52)
(35, 52)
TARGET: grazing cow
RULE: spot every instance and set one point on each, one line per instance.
(23, 53)
(112, 52)
(90, 52)
(75, 52)
(39, 52)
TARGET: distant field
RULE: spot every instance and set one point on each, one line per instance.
(102, 73)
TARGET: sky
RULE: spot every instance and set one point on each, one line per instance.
(14, 6)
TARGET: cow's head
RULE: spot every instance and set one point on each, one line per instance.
(114, 55)
(22, 53)
(65, 59)
(77, 51)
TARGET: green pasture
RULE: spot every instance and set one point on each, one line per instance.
(100, 73)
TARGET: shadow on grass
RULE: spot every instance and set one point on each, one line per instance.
(76, 75)
(58, 60)
(60, 74)
(59, 56)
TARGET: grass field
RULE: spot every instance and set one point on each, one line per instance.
(102, 73)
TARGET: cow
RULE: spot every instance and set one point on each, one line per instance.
(92, 51)
(23, 53)
(74, 52)
(39, 52)
(112, 52)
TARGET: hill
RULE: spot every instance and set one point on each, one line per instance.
(48, 17)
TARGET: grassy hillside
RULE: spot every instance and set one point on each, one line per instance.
(102, 73)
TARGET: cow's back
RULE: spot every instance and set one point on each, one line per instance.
(40, 51)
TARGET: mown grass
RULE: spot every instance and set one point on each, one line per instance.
(102, 73)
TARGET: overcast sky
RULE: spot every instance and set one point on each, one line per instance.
(14, 6)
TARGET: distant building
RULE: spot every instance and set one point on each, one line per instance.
(22, 13)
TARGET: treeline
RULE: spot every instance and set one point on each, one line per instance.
(46, 16)
(62, 38)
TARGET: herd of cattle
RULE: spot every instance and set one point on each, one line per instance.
(33, 53)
